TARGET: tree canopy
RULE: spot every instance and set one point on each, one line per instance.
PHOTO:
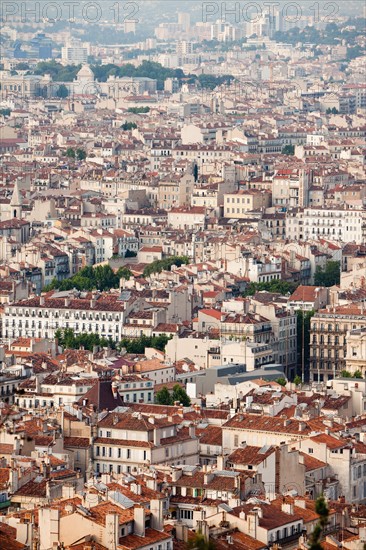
(282, 287)
(138, 345)
(165, 264)
(69, 340)
(164, 397)
(92, 278)
(328, 276)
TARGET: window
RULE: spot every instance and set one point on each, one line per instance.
(128, 453)
(108, 434)
(236, 441)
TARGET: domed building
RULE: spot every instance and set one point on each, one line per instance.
(85, 83)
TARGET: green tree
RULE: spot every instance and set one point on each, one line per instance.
(5, 112)
(138, 345)
(126, 126)
(195, 172)
(138, 110)
(282, 381)
(165, 264)
(199, 542)
(303, 324)
(322, 510)
(70, 152)
(130, 254)
(345, 374)
(69, 340)
(357, 374)
(179, 394)
(163, 397)
(328, 276)
(297, 380)
(62, 91)
(288, 150)
(101, 278)
(282, 287)
(80, 154)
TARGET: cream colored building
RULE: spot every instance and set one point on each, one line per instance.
(237, 205)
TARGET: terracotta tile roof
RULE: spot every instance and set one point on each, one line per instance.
(250, 455)
(272, 517)
(210, 435)
(125, 421)
(133, 542)
(82, 442)
(123, 442)
(240, 541)
(8, 537)
(311, 463)
(101, 396)
(331, 442)
(6, 449)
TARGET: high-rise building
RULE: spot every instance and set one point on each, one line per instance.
(184, 19)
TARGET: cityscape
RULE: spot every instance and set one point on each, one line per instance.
(183, 275)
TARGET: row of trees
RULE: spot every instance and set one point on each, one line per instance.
(88, 278)
(78, 154)
(68, 339)
(165, 264)
(138, 345)
(164, 397)
(277, 285)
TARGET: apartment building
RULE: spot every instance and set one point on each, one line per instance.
(41, 316)
(237, 205)
(328, 223)
(126, 442)
(329, 332)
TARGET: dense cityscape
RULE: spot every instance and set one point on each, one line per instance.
(183, 275)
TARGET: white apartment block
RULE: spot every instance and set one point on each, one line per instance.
(330, 223)
(41, 316)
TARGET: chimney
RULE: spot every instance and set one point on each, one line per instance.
(156, 509)
(192, 431)
(41, 300)
(221, 462)
(302, 426)
(112, 530)
(287, 508)
(67, 301)
(156, 437)
(176, 474)
(139, 521)
(208, 477)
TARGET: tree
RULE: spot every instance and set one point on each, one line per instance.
(199, 542)
(282, 381)
(345, 374)
(80, 154)
(62, 91)
(69, 340)
(101, 278)
(165, 264)
(163, 397)
(322, 510)
(70, 152)
(328, 276)
(297, 380)
(357, 374)
(138, 345)
(195, 173)
(282, 287)
(303, 324)
(179, 394)
(130, 254)
(288, 150)
(126, 126)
